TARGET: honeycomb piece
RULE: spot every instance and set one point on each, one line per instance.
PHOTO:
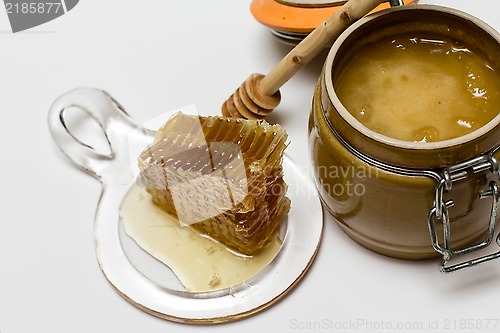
(222, 176)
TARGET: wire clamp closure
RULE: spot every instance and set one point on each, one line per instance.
(439, 213)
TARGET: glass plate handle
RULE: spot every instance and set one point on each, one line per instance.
(111, 117)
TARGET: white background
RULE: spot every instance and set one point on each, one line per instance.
(154, 56)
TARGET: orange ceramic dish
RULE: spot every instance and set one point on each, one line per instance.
(293, 19)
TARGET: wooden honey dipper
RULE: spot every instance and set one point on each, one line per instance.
(260, 94)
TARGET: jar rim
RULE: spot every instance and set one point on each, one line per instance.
(384, 139)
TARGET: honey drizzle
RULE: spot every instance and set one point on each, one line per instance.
(199, 262)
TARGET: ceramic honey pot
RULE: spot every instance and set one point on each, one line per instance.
(410, 197)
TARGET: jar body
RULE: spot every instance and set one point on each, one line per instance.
(382, 210)
(381, 190)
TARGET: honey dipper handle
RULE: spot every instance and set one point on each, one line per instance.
(316, 41)
(259, 94)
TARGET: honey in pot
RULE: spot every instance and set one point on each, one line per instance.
(420, 87)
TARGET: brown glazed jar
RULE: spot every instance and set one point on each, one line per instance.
(393, 196)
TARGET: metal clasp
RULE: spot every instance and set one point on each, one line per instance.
(484, 163)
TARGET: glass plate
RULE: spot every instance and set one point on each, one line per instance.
(117, 171)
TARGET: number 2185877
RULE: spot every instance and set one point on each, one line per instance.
(33, 7)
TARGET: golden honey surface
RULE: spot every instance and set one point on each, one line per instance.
(420, 88)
